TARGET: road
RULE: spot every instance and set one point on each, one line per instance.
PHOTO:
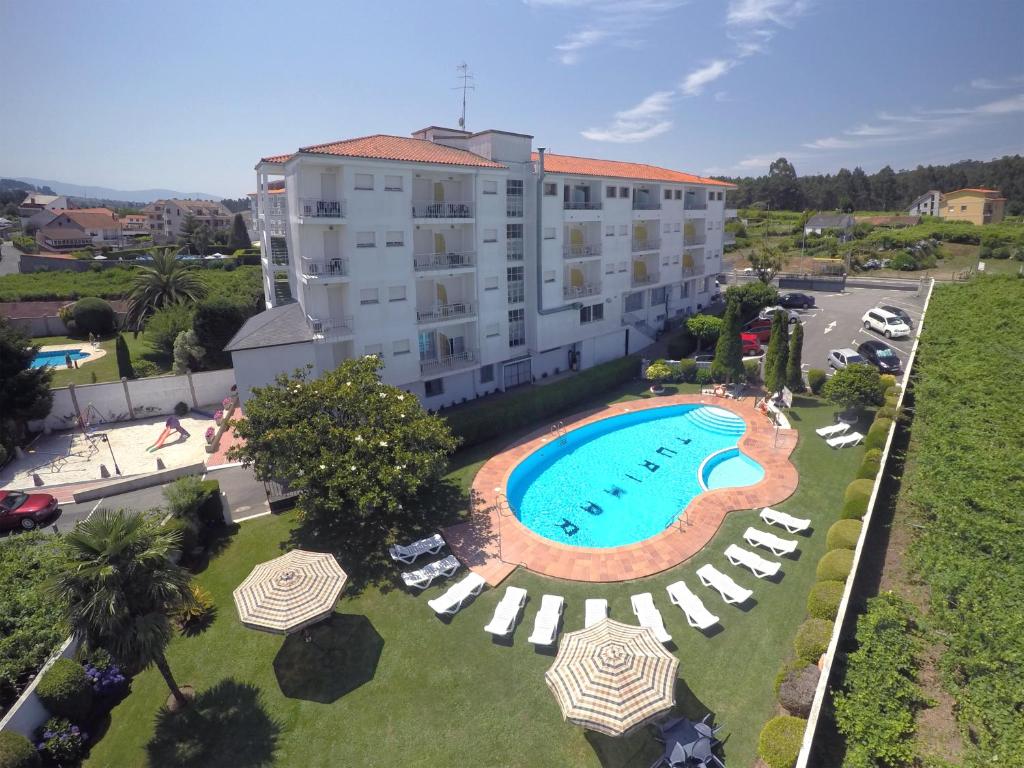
(10, 258)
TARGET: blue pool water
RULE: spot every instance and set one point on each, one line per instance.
(624, 479)
(57, 357)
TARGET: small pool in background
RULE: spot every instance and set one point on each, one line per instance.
(57, 357)
(625, 479)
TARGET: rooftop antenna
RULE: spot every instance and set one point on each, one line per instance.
(466, 85)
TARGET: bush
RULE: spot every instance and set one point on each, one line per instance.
(124, 358)
(16, 751)
(885, 412)
(187, 530)
(164, 325)
(823, 601)
(211, 508)
(812, 639)
(796, 692)
(92, 315)
(681, 344)
(780, 740)
(687, 370)
(215, 322)
(854, 509)
(835, 565)
(843, 534)
(816, 379)
(878, 434)
(752, 371)
(145, 368)
(704, 376)
(869, 468)
(62, 741)
(180, 409)
(659, 371)
(200, 611)
(858, 489)
(65, 691)
(888, 381)
(854, 387)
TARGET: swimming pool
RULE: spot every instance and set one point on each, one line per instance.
(624, 479)
(57, 357)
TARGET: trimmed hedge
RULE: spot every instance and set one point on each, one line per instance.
(16, 751)
(857, 489)
(886, 412)
(816, 379)
(65, 690)
(843, 534)
(812, 639)
(835, 565)
(780, 739)
(796, 692)
(92, 315)
(871, 464)
(888, 381)
(878, 433)
(823, 601)
(854, 509)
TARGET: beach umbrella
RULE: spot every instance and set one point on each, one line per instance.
(613, 677)
(290, 592)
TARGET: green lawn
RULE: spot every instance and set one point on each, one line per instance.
(104, 369)
(385, 683)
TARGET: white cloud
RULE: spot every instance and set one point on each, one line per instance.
(987, 84)
(578, 41)
(638, 123)
(752, 24)
(695, 82)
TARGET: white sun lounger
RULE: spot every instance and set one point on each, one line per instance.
(507, 611)
(458, 593)
(834, 430)
(846, 440)
(787, 521)
(758, 565)
(596, 610)
(649, 616)
(545, 625)
(778, 546)
(696, 614)
(730, 591)
(408, 553)
(422, 578)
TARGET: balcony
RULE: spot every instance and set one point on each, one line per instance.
(694, 239)
(582, 205)
(581, 250)
(694, 208)
(329, 329)
(514, 249)
(643, 273)
(646, 205)
(444, 312)
(649, 243)
(325, 270)
(451, 362)
(277, 226)
(428, 262)
(429, 209)
(581, 291)
(315, 208)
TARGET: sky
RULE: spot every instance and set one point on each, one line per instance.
(189, 95)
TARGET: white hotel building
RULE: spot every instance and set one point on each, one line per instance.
(469, 262)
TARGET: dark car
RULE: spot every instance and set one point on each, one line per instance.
(796, 301)
(900, 313)
(25, 510)
(880, 355)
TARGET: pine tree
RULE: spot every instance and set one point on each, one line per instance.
(728, 362)
(124, 358)
(794, 372)
(778, 353)
(239, 235)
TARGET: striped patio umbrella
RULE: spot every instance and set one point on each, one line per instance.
(612, 677)
(290, 592)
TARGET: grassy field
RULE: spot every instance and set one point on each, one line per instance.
(104, 369)
(385, 683)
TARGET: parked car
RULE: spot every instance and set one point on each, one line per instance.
(759, 328)
(871, 264)
(767, 312)
(880, 355)
(900, 313)
(885, 323)
(25, 510)
(841, 358)
(796, 301)
(752, 344)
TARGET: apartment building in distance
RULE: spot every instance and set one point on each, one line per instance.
(978, 206)
(469, 262)
(928, 204)
(164, 218)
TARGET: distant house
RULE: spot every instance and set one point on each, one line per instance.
(839, 224)
(80, 228)
(978, 206)
(134, 224)
(35, 202)
(928, 204)
(165, 218)
(893, 222)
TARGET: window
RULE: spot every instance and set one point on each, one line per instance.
(364, 181)
(486, 374)
(366, 240)
(513, 231)
(549, 275)
(623, 191)
(550, 190)
(666, 228)
(623, 230)
(490, 187)
(400, 347)
(609, 231)
(675, 227)
(622, 266)
(433, 387)
(395, 239)
(658, 296)
(491, 283)
(490, 235)
(516, 285)
(591, 314)
(609, 191)
(396, 293)
(492, 330)
(514, 187)
(369, 296)
(668, 194)
(675, 258)
(631, 302)
(707, 285)
(516, 327)
(392, 183)
(684, 290)
(609, 268)
(549, 233)
(373, 349)
(963, 207)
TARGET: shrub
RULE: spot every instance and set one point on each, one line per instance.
(659, 371)
(62, 741)
(835, 565)
(796, 692)
(92, 315)
(217, 320)
(187, 530)
(211, 508)
(885, 412)
(812, 639)
(65, 690)
(823, 601)
(124, 358)
(107, 681)
(687, 370)
(854, 509)
(858, 489)
(704, 376)
(752, 371)
(816, 379)
(854, 387)
(144, 368)
(16, 751)
(681, 344)
(888, 381)
(878, 433)
(180, 408)
(869, 468)
(843, 534)
(164, 325)
(780, 739)
(196, 613)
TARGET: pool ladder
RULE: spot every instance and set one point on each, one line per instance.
(501, 504)
(558, 432)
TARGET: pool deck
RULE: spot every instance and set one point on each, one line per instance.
(493, 543)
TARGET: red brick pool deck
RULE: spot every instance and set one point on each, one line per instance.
(494, 543)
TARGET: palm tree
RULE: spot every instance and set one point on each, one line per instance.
(120, 586)
(166, 281)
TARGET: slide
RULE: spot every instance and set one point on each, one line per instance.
(160, 440)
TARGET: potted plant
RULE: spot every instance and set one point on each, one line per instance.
(659, 372)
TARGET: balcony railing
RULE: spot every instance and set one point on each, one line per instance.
(315, 208)
(582, 205)
(277, 226)
(425, 262)
(648, 278)
(581, 251)
(448, 362)
(513, 206)
(692, 241)
(324, 268)
(325, 328)
(646, 205)
(693, 205)
(514, 249)
(646, 244)
(579, 291)
(440, 312)
(424, 209)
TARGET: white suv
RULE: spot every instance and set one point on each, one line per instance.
(885, 323)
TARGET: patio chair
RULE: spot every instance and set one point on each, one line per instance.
(758, 565)
(422, 578)
(596, 609)
(507, 611)
(730, 591)
(649, 616)
(778, 546)
(854, 438)
(787, 521)
(834, 430)
(697, 615)
(408, 553)
(452, 601)
(545, 624)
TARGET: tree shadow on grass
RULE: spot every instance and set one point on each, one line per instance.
(225, 725)
(342, 654)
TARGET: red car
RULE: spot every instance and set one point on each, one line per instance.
(751, 344)
(762, 329)
(25, 510)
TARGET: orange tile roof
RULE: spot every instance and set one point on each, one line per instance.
(977, 189)
(384, 147)
(97, 218)
(278, 158)
(588, 166)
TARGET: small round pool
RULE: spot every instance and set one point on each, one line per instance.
(625, 479)
(57, 357)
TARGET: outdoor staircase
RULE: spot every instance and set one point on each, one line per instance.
(717, 420)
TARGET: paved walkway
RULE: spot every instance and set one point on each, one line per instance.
(494, 543)
(227, 441)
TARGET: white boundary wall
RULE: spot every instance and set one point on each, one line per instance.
(844, 604)
(28, 712)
